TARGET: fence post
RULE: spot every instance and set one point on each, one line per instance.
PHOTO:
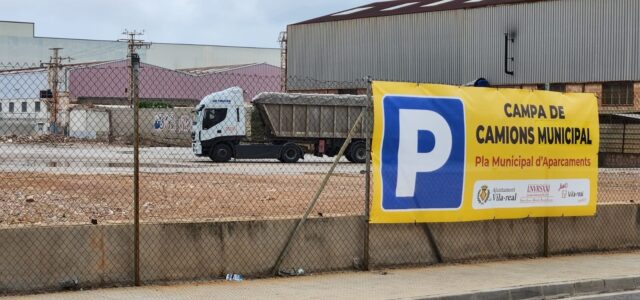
(135, 68)
(546, 237)
(367, 182)
(545, 234)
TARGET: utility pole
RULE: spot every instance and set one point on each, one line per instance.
(54, 66)
(134, 43)
(283, 60)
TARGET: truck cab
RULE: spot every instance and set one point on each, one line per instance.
(219, 117)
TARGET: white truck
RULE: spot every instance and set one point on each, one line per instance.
(283, 126)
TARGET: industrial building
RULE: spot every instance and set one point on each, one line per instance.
(29, 104)
(564, 45)
(98, 73)
(18, 44)
(22, 111)
(107, 83)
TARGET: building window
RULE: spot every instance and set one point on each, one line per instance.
(557, 87)
(554, 87)
(37, 108)
(347, 91)
(11, 104)
(24, 106)
(617, 93)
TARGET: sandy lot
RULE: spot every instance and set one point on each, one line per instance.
(40, 198)
(36, 198)
(73, 183)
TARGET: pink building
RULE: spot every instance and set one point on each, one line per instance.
(108, 83)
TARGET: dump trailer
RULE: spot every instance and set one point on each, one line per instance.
(282, 126)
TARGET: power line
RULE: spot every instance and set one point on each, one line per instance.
(133, 43)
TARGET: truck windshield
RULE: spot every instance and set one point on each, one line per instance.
(197, 115)
(213, 117)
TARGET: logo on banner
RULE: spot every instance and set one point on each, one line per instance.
(483, 194)
(423, 152)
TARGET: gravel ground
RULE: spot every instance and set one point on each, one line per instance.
(39, 198)
(36, 198)
(75, 183)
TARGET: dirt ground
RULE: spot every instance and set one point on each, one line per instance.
(36, 198)
(39, 198)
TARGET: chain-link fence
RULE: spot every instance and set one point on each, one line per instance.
(224, 172)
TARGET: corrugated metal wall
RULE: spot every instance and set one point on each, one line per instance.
(555, 41)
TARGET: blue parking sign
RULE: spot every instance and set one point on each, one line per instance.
(423, 153)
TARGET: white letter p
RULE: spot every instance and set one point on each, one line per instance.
(410, 160)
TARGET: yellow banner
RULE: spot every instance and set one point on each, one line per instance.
(448, 154)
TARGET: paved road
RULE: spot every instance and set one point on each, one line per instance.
(108, 159)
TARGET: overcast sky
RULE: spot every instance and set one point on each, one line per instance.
(232, 22)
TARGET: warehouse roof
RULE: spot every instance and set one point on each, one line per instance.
(401, 7)
(253, 68)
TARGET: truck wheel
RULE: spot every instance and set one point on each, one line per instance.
(347, 155)
(290, 153)
(357, 152)
(220, 153)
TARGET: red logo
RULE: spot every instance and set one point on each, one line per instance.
(538, 188)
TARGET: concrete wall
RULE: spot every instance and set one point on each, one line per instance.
(89, 124)
(12, 126)
(210, 250)
(44, 258)
(164, 127)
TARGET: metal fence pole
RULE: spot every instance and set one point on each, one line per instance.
(545, 237)
(367, 182)
(135, 68)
